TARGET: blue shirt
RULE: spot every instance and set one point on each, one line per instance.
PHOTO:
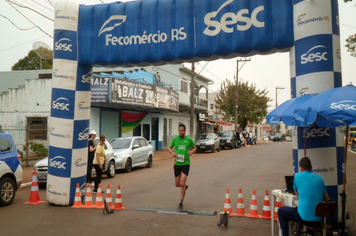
(311, 190)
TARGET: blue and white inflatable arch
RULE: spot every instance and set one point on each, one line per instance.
(161, 31)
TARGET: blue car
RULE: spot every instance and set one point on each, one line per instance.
(10, 169)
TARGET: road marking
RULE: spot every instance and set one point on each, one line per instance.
(170, 211)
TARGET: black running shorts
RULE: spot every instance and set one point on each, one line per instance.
(179, 169)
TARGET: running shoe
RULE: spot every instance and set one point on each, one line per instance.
(180, 206)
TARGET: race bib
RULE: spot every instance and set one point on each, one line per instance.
(180, 158)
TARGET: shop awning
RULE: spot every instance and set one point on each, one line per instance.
(209, 123)
(219, 122)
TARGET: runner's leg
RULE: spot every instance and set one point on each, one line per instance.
(183, 188)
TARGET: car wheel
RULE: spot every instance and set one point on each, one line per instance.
(111, 169)
(219, 148)
(128, 165)
(7, 191)
(149, 162)
(213, 150)
(197, 151)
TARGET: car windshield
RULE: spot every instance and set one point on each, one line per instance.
(121, 143)
(207, 136)
(225, 134)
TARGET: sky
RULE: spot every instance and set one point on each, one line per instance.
(265, 72)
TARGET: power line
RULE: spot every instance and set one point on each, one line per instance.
(26, 7)
(28, 19)
(21, 44)
(16, 25)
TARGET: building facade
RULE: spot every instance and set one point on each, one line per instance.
(25, 103)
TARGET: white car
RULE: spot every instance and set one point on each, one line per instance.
(41, 167)
(131, 152)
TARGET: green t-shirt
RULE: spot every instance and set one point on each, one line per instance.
(182, 147)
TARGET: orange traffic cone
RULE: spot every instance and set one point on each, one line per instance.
(227, 204)
(108, 197)
(240, 208)
(34, 194)
(277, 206)
(77, 199)
(99, 204)
(118, 200)
(266, 211)
(253, 207)
(88, 198)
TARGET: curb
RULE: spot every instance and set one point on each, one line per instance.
(25, 185)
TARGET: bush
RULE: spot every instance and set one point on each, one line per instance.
(37, 149)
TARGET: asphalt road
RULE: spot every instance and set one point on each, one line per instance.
(261, 167)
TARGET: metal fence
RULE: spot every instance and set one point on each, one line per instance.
(22, 139)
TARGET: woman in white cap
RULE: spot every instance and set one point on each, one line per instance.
(91, 154)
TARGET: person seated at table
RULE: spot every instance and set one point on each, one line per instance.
(310, 190)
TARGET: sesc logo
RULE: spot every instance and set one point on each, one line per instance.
(84, 135)
(63, 45)
(86, 79)
(61, 104)
(316, 132)
(241, 19)
(58, 162)
(272, 121)
(314, 54)
(116, 19)
(344, 105)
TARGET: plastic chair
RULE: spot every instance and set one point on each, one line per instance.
(324, 209)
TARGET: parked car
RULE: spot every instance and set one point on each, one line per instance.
(279, 137)
(208, 142)
(10, 169)
(228, 139)
(130, 152)
(289, 138)
(41, 167)
(271, 137)
(265, 138)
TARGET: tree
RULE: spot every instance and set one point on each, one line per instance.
(252, 103)
(351, 41)
(351, 45)
(32, 62)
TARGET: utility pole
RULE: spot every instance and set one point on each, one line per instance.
(237, 91)
(192, 103)
(276, 94)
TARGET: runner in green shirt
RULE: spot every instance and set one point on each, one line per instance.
(184, 147)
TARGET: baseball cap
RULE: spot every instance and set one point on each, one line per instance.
(92, 132)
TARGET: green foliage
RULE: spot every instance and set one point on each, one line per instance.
(37, 149)
(351, 45)
(32, 62)
(21, 153)
(252, 103)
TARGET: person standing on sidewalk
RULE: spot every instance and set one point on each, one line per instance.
(91, 154)
(99, 161)
(181, 148)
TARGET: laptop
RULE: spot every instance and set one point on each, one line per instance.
(290, 183)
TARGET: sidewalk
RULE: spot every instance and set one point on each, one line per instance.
(27, 170)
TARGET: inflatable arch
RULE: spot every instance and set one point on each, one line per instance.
(175, 31)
